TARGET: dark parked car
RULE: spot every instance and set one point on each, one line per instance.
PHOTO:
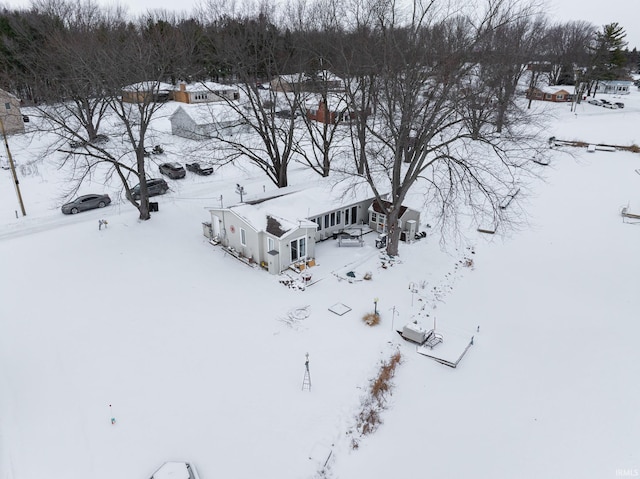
(199, 168)
(286, 114)
(620, 104)
(100, 140)
(155, 187)
(86, 202)
(77, 143)
(173, 170)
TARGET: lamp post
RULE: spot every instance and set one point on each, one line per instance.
(375, 306)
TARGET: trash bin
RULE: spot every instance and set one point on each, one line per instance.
(153, 206)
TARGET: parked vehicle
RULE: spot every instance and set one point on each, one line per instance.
(199, 168)
(155, 187)
(594, 101)
(619, 104)
(84, 203)
(100, 139)
(286, 114)
(611, 106)
(77, 143)
(173, 170)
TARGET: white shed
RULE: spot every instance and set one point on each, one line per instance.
(201, 122)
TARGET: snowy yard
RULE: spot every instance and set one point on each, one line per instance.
(201, 360)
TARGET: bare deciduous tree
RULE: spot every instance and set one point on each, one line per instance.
(255, 53)
(423, 129)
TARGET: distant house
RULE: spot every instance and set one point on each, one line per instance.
(334, 110)
(615, 87)
(319, 81)
(281, 230)
(557, 93)
(201, 122)
(151, 91)
(204, 92)
(10, 113)
(288, 83)
(408, 219)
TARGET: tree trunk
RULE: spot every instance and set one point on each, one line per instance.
(393, 232)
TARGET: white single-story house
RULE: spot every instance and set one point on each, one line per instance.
(204, 92)
(201, 122)
(408, 219)
(253, 232)
(616, 87)
(281, 229)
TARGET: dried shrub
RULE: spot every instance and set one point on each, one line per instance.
(369, 417)
(382, 384)
(634, 148)
(371, 319)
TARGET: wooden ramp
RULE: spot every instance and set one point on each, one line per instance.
(450, 351)
(541, 160)
(509, 198)
(490, 230)
(627, 215)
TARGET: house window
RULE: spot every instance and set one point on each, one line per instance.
(346, 217)
(547, 96)
(298, 249)
(354, 215)
(338, 217)
(271, 245)
(7, 106)
(374, 218)
(243, 237)
(560, 97)
(318, 221)
(333, 219)
(326, 221)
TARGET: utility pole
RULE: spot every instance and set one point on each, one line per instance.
(240, 191)
(13, 168)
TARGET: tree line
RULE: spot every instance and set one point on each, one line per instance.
(430, 87)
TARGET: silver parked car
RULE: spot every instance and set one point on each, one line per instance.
(86, 202)
(174, 171)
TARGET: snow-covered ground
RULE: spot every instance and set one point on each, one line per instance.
(197, 358)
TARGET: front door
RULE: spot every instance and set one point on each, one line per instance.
(298, 249)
